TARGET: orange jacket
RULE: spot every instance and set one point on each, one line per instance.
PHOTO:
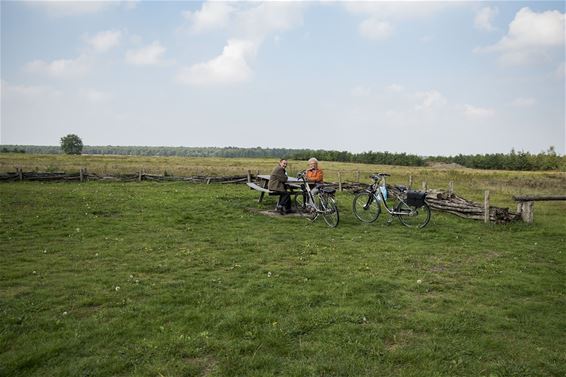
(315, 176)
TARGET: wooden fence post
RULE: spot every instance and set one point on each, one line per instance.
(486, 207)
(525, 209)
(425, 186)
(140, 175)
(410, 181)
(249, 176)
(357, 176)
(339, 181)
(81, 174)
(20, 174)
(450, 188)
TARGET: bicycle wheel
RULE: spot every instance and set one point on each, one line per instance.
(300, 204)
(365, 207)
(413, 217)
(329, 210)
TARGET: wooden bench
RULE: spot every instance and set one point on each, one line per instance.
(263, 190)
(525, 204)
(258, 188)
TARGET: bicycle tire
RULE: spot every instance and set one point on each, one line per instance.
(329, 209)
(414, 217)
(365, 207)
(300, 204)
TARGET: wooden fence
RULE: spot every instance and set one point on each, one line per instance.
(440, 200)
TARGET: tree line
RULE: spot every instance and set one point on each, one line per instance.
(526, 161)
(514, 160)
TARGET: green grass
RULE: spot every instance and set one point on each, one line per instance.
(173, 279)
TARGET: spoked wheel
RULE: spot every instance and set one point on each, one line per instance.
(329, 210)
(365, 207)
(300, 204)
(303, 208)
(413, 217)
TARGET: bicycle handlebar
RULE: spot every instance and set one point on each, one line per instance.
(378, 176)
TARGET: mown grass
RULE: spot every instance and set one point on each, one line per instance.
(173, 279)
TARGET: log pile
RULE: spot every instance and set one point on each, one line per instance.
(452, 203)
(37, 176)
(140, 176)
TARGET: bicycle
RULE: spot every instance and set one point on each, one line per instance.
(317, 201)
(408, 206)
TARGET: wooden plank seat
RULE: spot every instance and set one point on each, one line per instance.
(257, 187)
(264, 190)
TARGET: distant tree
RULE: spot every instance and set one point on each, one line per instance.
(71, 144)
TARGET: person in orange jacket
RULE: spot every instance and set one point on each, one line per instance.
(314, 174)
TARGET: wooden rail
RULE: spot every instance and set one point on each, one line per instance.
(526, 203)
(531, 198)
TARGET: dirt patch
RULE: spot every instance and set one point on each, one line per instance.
(271, 213)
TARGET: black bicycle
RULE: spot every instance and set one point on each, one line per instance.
(317, 201)
(408, 206)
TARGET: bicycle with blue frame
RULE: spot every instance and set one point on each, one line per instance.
(317, 201)
(408, 206)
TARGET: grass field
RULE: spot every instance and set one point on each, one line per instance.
(174, 279)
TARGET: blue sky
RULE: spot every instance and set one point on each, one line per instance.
(429, 78)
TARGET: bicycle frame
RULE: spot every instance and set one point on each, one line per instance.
(414, 215)
(318, 202)
(377, 194)
(309, 197)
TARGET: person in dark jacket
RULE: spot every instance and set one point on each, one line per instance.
(276, 183)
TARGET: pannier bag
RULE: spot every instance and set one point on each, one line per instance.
(416, 198)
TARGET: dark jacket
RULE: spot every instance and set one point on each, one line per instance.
(277, 179)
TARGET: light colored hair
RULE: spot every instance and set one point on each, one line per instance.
(312, 159)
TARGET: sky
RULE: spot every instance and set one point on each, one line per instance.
(426, 78)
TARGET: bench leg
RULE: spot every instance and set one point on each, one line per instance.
(261, 194)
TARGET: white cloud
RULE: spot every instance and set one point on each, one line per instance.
(105, 40)
(395, 88)
(478, 112)
(148, 55)
(211, 16)
(268, 17)
(524, 102)
(484, 18)
(531, 37)
(71, 8)
(95, 96)
(397, 9)
(375, 29)
(249, 24)
(61, 68)
(430, 100)
(360, 91)
(382, 15)
(28, 91)
(246, 20)
(230, 67)
(66, 8)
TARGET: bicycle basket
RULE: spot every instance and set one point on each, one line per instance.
(416, 198)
